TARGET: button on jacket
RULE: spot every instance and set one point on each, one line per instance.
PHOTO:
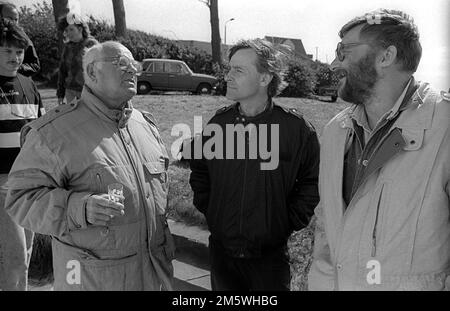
(395, 232)
(73, 152)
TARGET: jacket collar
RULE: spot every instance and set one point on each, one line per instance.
(416, 111)
(117, 116)
(267, 111)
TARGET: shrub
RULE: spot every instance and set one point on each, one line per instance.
(325, 76)
(38, 22)
(300, 78)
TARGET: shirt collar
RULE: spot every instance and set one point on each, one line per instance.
(119, 116)
(360, 116)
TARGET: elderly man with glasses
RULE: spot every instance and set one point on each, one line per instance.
(20, 103)
(70, 158)
(383, 219)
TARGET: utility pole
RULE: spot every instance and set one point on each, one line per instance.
(225, 31)
(317, 52)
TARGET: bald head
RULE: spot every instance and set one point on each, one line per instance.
(105, 74)
(98, 51)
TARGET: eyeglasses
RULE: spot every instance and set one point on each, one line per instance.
(123, 63)
(340, 55)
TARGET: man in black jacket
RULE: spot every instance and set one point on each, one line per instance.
(253, 198)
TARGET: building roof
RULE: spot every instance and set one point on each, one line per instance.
(295, 44)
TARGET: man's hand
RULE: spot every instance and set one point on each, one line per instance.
(100, 210)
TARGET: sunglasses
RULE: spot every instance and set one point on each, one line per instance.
(340, 55)
(123, 63)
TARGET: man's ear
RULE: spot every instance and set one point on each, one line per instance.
(90, 71)
(266, 78)
(388, 57)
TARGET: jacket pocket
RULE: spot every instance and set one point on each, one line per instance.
(78, 268)
(157, 180)
(413, 138)
(111, 274)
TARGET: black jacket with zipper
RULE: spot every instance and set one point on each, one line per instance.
(251, 211)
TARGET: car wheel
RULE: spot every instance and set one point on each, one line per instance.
(204, 88)
(143, 88)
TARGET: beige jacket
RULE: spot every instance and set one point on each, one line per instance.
(77, 150)
(395, 233)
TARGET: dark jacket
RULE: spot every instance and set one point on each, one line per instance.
(30, 65)
(71, 66)
(251, 211)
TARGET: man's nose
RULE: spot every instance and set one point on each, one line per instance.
(335, 64)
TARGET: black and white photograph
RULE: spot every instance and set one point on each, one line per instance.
(211, 149)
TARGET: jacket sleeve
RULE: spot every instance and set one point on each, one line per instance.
(321, 275)
(305, 195)
(37, 199)
(30, 65)
(199, 179)
(62, 74)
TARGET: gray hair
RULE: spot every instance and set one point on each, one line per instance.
(95, 52)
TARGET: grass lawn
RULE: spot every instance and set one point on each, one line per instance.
(172, 109)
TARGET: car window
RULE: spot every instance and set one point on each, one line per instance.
(174, 68)
(156, 67)
(148, 66)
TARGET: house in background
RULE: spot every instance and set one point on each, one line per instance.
(202, 46)
(295, 44)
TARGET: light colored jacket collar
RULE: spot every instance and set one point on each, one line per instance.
(115, 115)
(420, 119)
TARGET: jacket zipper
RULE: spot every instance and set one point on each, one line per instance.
(243, 187)
(374, 231)
(142, 194)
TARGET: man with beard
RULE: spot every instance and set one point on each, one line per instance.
(383, 218)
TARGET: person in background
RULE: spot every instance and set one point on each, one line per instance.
(383, 221)
(59, 183)
(70, 74)
(252, 204)
(20, 103)
(30, 65)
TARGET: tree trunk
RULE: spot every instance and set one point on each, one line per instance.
(60, 8)
(215, 32)
(119, 18)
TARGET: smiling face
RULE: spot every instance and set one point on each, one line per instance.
(357, 71)
(244, 82)
(10, 60)
(114, 85)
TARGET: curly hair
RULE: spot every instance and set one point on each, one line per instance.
(384, 27)
(63, 23)
(271, 60)
(12, 35)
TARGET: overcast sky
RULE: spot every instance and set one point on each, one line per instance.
(315, 22)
